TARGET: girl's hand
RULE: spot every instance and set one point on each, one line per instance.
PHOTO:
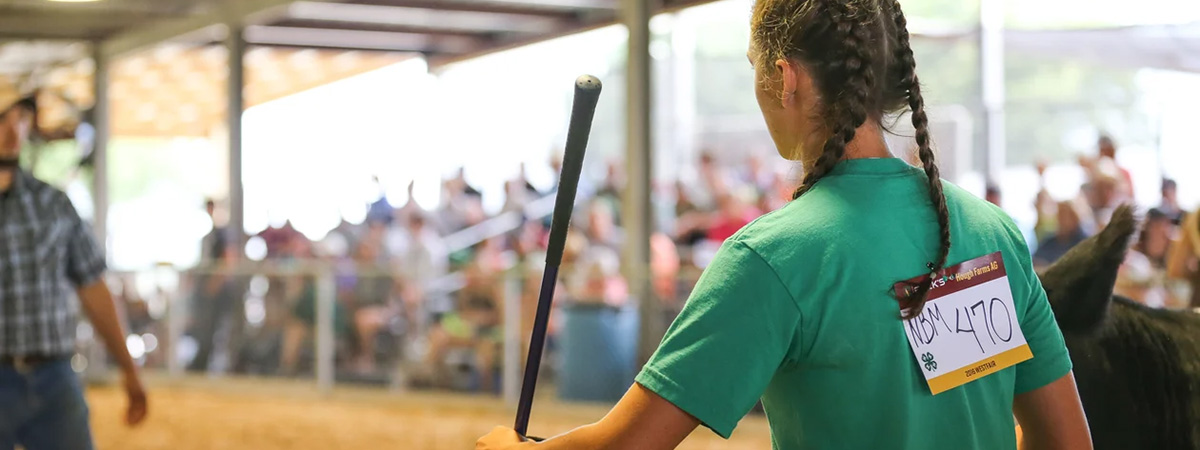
(501, 438)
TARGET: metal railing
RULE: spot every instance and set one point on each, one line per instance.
(177, 295)
(179, 298)
(497, 226)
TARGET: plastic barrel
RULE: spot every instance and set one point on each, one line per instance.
(598, 352)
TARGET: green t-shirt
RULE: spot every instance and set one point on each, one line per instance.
(797, 308)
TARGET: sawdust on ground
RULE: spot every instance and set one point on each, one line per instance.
(275, 414)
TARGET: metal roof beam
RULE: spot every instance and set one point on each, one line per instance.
(596, 21)
(75, 25)
(550, 8)
(143, 8)
(234, 11)
(391, 51)
(7, 36)
(363, 40)
(551, 4)
(321, 25)
(421, 17)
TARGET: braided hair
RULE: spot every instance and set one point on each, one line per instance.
(861, 62)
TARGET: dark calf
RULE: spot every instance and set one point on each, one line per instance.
(1138, 368)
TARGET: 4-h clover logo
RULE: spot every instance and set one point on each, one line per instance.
(930, 364)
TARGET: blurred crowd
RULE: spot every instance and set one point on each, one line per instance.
(1160, 269)
(422, 290)
(419, 294)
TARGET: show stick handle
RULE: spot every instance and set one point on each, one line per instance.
(587, 95)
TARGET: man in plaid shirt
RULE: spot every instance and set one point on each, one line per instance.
(44, 248)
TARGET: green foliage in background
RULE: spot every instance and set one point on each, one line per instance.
(52, 162)
(136, 167)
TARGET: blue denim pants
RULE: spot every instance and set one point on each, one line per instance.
(43, 408)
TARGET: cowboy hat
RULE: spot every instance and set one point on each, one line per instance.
(11, 99)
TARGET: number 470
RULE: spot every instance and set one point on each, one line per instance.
(989, 315)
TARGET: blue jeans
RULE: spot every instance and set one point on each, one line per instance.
(43, 409)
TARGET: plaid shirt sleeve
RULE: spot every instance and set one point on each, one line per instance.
(85, 259)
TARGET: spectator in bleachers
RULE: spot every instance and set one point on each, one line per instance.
(337, 243)
(1170, 202)
(490, 255)
(602, 228)
(1102, 191)
(448, 217)
(516, 196)
(523, 179)
(421, 261)
(367, 297)
(1142, 277)
(473, 325)
(758, 175)
(556, 171)
(380, 209)
(1045, 207)
(691, 220)
(213, 291)
(664, 265)
(683, 200)
(1183, 265)
(1108, 151)
(462, 205)
(993, 195)
(279, 240)
(216, 239)
(612, 189)
(777, 194)
(711, 173)
(596, 273)
(299, 291)
(409, 208)
(216, 304)
(529, 244)
(1069, 234)
(1047, 211)
(461, 185)
(734, 212)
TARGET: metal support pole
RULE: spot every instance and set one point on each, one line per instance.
(176, 305)
(512, 336)
(100, 121)
(991, 58)
(97, 367)
(326, 291)
(637, 215)
(236, 44)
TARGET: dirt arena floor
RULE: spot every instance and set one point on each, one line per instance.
(194, 414)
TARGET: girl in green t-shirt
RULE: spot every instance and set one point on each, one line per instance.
(794, 308)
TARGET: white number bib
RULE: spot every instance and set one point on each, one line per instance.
(969, 328)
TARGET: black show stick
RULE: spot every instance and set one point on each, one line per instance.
(587, 94)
